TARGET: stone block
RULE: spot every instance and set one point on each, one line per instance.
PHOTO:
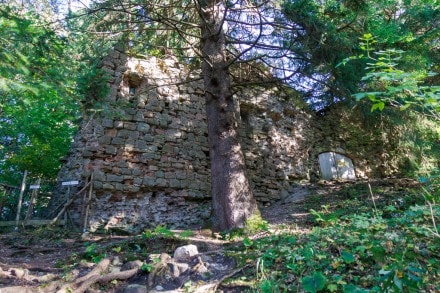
(152, 121)
(161, 182)
(131, 111)
(174, 183)
(163, 123)
(126, 171)
(103, 140)
(118, 141)
(99, 175)
(125, 133)
(149, 181)
(111, 132)
(205, 186)
(153, 168)
(97, 185)
(108, 186)
(115, 178)
(119, 124)
(149, 138)
(148, 114)
(143, 127)
(167, 148)
(130, 125)
(109, 149)
(108, 123)
(169, 175)
(145, 157)
(137, 172)
(139, 117)
(140, 145)
(121, 164)
(181, 175)
(193, 185)
(178, 165)
(165, 165)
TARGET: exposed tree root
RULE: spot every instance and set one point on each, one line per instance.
(100, 274)
(213, 285)
(24, 274)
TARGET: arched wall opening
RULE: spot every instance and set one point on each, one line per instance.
(336, 166)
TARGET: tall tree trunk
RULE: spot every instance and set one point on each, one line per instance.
(232, 197)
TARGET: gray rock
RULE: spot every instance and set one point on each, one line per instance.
(185, 253)
(176, 269)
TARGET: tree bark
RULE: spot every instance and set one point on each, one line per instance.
(232, 197)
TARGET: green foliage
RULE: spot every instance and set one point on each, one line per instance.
(186, 234)
(394, 250)
(391, 87)
(152, 28)
(93, 87)
(91, 253)
(313, 283)
(326, 33)
(147, 267)
(255, 224)
(393, 142)
(233, 234)
(396, 87)
(37, 102)
(159, 231)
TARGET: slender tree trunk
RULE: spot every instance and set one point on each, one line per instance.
(233, 201)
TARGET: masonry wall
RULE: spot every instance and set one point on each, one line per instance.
(148, 151)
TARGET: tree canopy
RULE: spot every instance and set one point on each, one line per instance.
(328, 32)
(37, 95)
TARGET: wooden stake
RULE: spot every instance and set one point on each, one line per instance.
(83, 206)
(32, 202)
(86, 216)
(20, 199)
(68, 203)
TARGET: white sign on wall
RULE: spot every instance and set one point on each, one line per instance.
(69, 183)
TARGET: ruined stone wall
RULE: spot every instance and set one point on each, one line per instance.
(148, 149)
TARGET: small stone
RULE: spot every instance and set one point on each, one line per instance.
(116, 261)
(185, 253)
(135, 288)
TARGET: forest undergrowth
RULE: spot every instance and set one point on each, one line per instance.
(358, 237)
(363, 239)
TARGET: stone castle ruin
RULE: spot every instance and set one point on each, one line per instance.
(149, 155)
